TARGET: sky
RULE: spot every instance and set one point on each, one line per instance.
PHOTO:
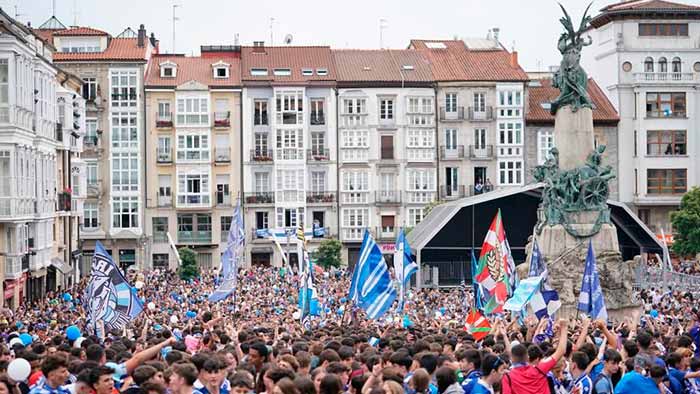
(530, 26)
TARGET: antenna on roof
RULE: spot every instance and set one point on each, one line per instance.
(236, 40)
(175, 19)
(288, 39)
(75, 12)
(272, 22)
(383, 24)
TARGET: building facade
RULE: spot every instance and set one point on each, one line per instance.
(193, 159)
(113, 70)
(289, 149)
(387, 145)
(646, 57)
(481, 99)
(539, 126)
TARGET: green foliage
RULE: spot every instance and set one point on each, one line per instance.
(328, 253)
(686, 224)
(188, 264)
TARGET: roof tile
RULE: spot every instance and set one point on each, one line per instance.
(649, 5)
(117, 49)
(295, 58)
(384, 65)
(80, 31)
(546, 93)
(193, 69)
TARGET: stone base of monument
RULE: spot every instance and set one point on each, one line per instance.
(565, 256)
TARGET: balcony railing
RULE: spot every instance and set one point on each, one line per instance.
(16, 206)
(196, 236)
(665, 77)
(260, 198)
(352, 233)
(320, 197)
(483, 152)
(353, 120)
(64, 202)
(90, 141)
(290, 196)
(222, 119)
(451, 152)
(261, 155)
(160, 237)
(165, 201)
(317, 118)
(94, 189)
(387, 197)
(355, 197)
(260, 119)
(13, 266)
(289, 154)
(420, 197)
(386, 233)
(164, 120)
(420, 154)
(447, 116)
(222, 155)
(59, 132)
(451, 192)
(223, 199)
(318, 155)
(476, 114)
(164, 156)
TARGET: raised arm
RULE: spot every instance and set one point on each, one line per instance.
(584, 333)
(563, 337)
(147, 354)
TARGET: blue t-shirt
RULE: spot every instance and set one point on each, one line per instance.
(470, 381)
(603, 385)
(677, 378)
(479, 388)
(597, 370)
(634, 383)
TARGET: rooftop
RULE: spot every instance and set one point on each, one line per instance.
(294, 64)
(382, 66)
(638, 9)
(193, 69)
(119, 49)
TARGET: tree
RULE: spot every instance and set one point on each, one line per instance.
(328, 253)
(188, 264)
(686, 224)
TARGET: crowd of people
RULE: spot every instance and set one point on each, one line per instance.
(253, 342)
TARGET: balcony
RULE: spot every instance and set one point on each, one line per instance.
(451, 152)
(90, 141)
(352, 233)
(194, 237)
(420, 197)
(13, 267)
(452, 116)
(223, 199)
(59, 132)
(193, 200)
(94, 189)
(289, 154)
(387, 197)
(160, 237)
(260, 198)
(164, 156)
(64, 202)
(320, 197)
(222, 119)
(450, 193)
(355, 197)
(318, 155)
(164, 120)
(164, 201)
(386, 233)
(666, 77)
(222, 155)
(420, 154)
(355, 154)
(483, 114)
(263, 156)
(481, 152)
(12, 207)
(317, 118)
(350, 121)
(322, 232)
(290, 196)
(260, 119)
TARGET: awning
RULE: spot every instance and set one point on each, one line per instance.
(261, 249)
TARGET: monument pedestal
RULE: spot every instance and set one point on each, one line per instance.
(573, 136)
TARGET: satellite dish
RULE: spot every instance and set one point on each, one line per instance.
(288, 39)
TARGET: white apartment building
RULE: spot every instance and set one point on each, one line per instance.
(289, 148)
(113, 70)
(646, 57)
(387, 145)
(28, 169)
(481, 109)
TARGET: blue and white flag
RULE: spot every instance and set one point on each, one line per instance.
(404, 266)
(111, 301)
(590, 300)
(545, 302)
(522, 294)
(371, 287)
(478, 299)
(308, 295)
(229, 259)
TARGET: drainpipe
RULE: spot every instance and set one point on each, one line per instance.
(241, 186)
(437, 139)
(337, 165)
(145, 177)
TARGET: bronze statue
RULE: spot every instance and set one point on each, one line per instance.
(571, 79)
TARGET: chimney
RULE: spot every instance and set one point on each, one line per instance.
(142, 36)
(496, 30)
(514, 59)
(152, 39)
(258, 46)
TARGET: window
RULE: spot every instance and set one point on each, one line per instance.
(261, 220)
(663, 29)
(421, 179)
(480, 141)
(258, 72)
(290, 185)
(89, 88)
(91, 132)
(666, 142)
(124, 86)
(420, 105)
(290, 144)
(355, 139)
(545, 143)
(664, 105)
(479, 102)
(4, 89)
(90, 215)
(124, 130)
(354, 106)
(420, 139)
(451, 102)
(387, 147)
(261, 145)
(318, 182)
(510, 172)
(356, 219)
(510, 133)
(125, 212)
(62, 112)
(676, 65)
(317, 114)
(161, 261)
(223, 195)
(192, 111)
(260, 114)
(355, 181)
(318, 143)
(673, 181)
(510, 98)
(262, 182)
(289, 217)
(386, 110)
(160, 226)
(92, 173)
(648, 65)
(415, 216)
(125, 171)
(282, 72)
(221, 72)
(450, 139)
(164, 111)
(307, 72)
(663, 65)
(290, 107)
(164, 149)
(167, 72)
(321, 71)
(193, 189)
(164, 190)
(193, 147)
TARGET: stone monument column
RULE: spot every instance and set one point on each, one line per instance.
(573, 136)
